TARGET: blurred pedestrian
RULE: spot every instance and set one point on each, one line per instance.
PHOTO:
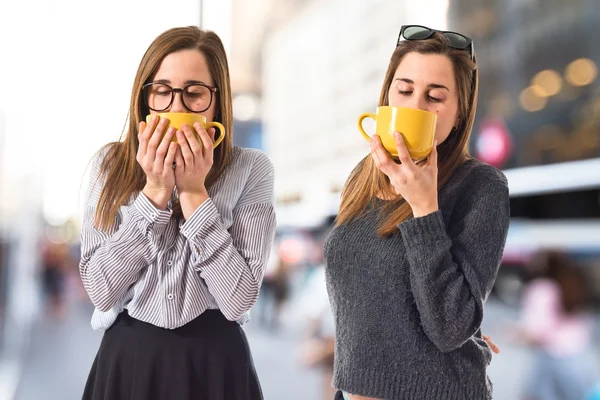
(556, 321)
(55, 263)
(274, 291)
(318, 338)
(176, 235)
(417, 245)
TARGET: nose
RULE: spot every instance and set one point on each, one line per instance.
(177, 105)
(419, 102)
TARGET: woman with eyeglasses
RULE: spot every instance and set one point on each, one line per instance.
(416, 246)
(176, 236)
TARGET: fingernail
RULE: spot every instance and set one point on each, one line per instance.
(154, 118)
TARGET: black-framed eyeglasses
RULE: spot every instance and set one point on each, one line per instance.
(419, 32)
(196, 97)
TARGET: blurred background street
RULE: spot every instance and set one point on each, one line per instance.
(60, 353)
(302, 71)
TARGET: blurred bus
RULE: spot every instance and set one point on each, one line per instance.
(552, 206)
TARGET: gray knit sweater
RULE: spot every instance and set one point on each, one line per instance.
(408, 307)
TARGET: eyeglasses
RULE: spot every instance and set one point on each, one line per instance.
(196, 97)
(418, 32)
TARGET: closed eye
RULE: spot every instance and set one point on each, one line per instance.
(430, 98)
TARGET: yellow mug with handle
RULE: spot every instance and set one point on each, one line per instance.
(416, 126)
(177, 119)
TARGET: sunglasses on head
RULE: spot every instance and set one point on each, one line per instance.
(418, 32)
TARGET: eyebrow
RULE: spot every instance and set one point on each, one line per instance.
(431, 85)
(188, 82)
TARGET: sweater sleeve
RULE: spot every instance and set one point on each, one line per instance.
(452, 270)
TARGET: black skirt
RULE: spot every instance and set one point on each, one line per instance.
(206, 359)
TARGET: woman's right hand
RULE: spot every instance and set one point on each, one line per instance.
(155, 155)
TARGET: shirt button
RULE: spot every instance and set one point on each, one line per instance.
(153, 215)
(170, 296)
(169, 263)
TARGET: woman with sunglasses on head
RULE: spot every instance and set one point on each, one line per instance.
(417, 245)
(176, 236)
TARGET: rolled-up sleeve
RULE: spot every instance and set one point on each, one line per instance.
(232, 262)
(113, 260)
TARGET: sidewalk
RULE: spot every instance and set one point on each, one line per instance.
(61, 353)
(59, 357)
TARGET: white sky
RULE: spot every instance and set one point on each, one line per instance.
(66, 70)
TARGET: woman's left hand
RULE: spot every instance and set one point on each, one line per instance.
(194, 159)
(193, 162)
(492, 345)
(417, 184)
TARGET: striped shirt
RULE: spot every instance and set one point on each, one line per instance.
(167, 271)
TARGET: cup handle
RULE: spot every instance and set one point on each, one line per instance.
(221, 130)
(360, 127)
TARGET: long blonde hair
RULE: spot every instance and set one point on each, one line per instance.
(124, 177)
(366, 181)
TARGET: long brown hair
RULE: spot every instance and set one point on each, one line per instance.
(366, 181)
(123, 175)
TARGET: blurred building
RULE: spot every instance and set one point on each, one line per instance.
(21, 221)
(539, 86)
(20, 229)
(539, 119)
(243, 27)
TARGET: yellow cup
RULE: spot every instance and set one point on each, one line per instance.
(416, 126)
(177, 119)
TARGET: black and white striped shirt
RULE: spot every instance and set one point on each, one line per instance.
(167, 272)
